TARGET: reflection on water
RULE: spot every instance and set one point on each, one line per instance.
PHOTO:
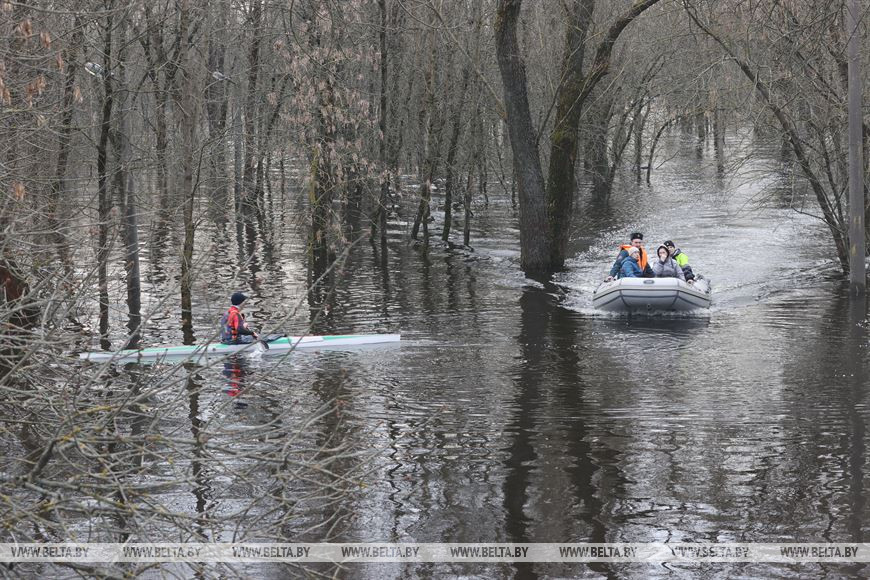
(236, 368)
(513, 412)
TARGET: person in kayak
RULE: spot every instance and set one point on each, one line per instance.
(630, 268)
(665, 266)
(636, 242)
(234, 329)
(682, 259)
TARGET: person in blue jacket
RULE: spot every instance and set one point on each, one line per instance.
(630, 267)
(636, 242)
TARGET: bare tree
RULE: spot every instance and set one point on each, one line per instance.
(188, 110)
(551, 206)
(814, 128)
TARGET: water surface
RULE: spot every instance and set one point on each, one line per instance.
(513, 412)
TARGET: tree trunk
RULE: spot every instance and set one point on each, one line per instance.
(187, 110)
(652, 147)
(638, 129)
(430, 122)
(597, 143)
(534, 246)
(718, 140)
(550, 210)
(160, 147)
(103, 193)
(128, 195)
(452, 149)
(59, 185)
(323, 183)
(238, 162)
(561, 180)
(498, 143)
(379, 223)
(483, 170)
(251, 107)
(320, 198)
(625, 127)
(157, 62)
(476, 140)
(265, 134)
(857, 201)
(216, 111)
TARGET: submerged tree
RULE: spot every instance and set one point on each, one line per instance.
(793, 59)
(546, 205)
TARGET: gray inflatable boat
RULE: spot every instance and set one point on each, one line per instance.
(652, 294)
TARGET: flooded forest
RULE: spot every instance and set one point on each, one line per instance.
(462, 173)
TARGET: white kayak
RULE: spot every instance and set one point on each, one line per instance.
(652, 294)
(277, 345)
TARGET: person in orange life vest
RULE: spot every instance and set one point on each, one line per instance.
(234, 329)
(636, 242)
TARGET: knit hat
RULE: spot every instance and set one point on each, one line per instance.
(238, 298)
(669, 244)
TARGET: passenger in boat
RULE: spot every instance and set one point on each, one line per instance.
(630, 267)
(234, 329)
(682, 259)
(665, 266)
(636, 242)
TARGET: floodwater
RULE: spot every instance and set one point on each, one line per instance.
(513, 412)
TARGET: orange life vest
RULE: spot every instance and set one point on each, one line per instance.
(642, 261)
(230, 324)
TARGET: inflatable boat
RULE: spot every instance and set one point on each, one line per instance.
(652, 294)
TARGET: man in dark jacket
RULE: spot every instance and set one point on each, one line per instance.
(636, 242)
(682, 259)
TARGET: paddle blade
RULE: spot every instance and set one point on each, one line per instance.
(263, 342)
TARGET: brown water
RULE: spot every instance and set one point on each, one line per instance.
(514, 412)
